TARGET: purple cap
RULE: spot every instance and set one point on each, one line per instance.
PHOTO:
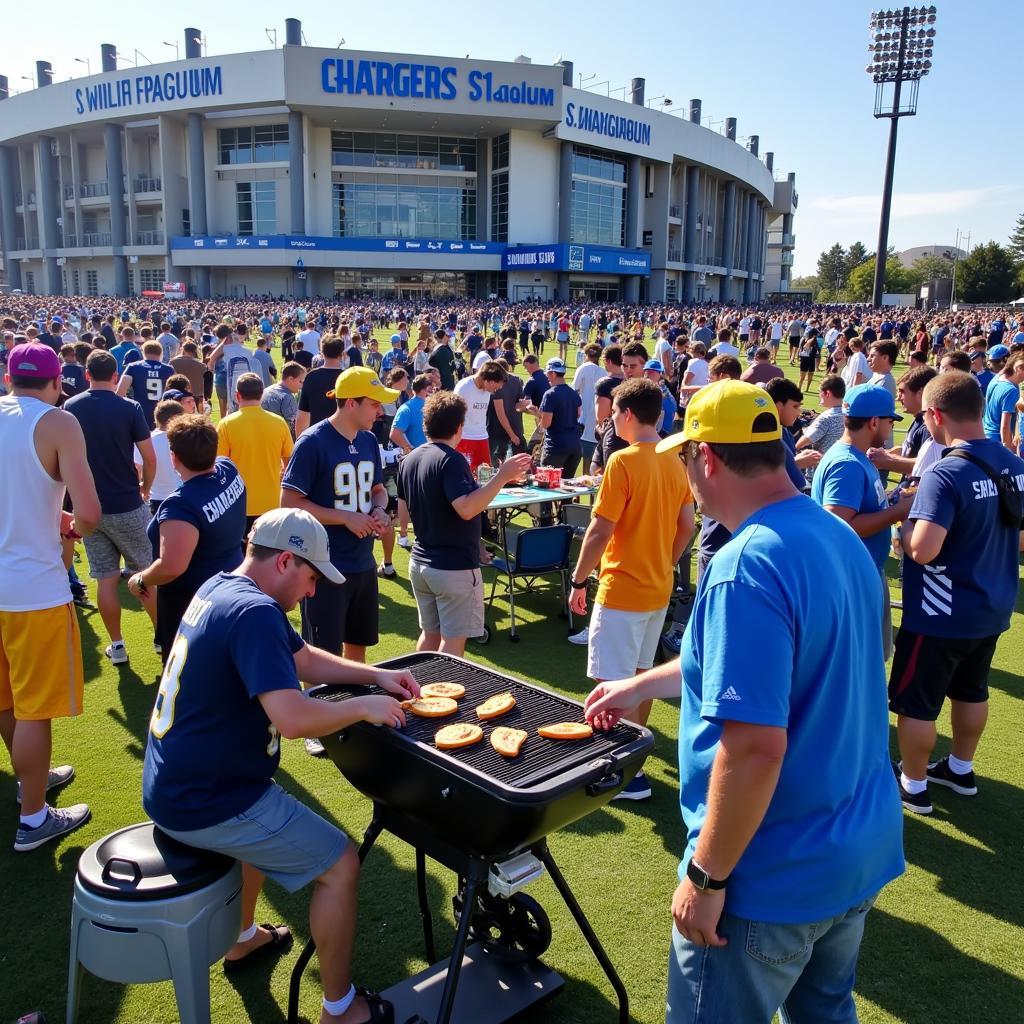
(33, 360)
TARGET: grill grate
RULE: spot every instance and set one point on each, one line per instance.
(539, 759)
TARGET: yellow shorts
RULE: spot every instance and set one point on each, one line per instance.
(41, 674)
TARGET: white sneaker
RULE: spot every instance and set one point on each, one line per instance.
(582, 637)
(405, 542)
(314, 747)
(117, 653)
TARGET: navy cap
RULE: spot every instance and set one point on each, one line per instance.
(977, 354)
(177, 395)
(867, 400)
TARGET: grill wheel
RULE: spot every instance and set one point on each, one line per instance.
(515, 929)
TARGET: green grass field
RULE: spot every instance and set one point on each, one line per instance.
(944, 943)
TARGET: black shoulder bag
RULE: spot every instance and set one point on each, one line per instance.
(1011, 508)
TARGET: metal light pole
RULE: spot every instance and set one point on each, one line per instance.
(901, 50)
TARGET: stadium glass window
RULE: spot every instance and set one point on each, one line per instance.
(395, 207)
(265, 143)
(391, 151)
(499, 206)
(598, 205)
(30, 282)
(151, 280)
(256, 205)
(92, 283)
(499, 153)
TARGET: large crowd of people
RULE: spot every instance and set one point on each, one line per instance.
(235, 459)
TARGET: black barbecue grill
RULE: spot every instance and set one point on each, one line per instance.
(472, 809)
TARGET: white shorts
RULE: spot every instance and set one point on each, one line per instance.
(622, 643)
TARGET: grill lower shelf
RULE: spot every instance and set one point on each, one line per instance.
(489, 989)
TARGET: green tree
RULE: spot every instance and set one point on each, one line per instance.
(832, 272)
(807, 281)
(862, 279)
(928, 268)
(855, 256)
(1016, 244)
(986, 275)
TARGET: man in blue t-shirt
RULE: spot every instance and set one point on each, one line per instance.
(960, 580)
(848, 485)
(335, 474)
(126, 351)
(560, 412)
(229, 691)
(763, 769)
(982, 374)
(1001, 398)
(407, 427)
(147, 379)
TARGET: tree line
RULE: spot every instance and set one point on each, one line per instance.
(989, 273)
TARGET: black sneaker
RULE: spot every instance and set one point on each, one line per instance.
(918, 803)
(941, 774)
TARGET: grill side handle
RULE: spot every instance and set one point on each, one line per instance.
(608, 781)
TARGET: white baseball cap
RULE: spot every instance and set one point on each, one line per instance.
(295, 530)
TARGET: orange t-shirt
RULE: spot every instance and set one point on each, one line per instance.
(642, 492)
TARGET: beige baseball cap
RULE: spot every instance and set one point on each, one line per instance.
(295, 530)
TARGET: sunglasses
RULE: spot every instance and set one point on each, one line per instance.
(689, 451)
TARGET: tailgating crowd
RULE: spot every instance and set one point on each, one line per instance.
(222, 524)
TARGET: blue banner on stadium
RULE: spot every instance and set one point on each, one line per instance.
(594, 259)
(320, 243)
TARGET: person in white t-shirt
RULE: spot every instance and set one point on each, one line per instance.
(476, 392)
(237, 360)
(584, 383)
(663, 353)
(724, 345)
(166, 480)
(310, 339)
(856, 371)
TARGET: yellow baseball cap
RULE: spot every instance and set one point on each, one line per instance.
(362, 382)
(727, 412)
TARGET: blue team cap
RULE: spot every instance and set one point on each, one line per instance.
(396, 339)
(555, 366)
(867, 400)
(654, 364)
(998, 352)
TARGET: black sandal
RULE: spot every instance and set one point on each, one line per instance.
(381, 1011)
(280, 940)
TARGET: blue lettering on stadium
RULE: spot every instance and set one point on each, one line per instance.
(614, 126)
(141, 90)
(342, 75)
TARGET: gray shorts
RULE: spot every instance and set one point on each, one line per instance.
(121, 534)
(278, 835)
(449, 601)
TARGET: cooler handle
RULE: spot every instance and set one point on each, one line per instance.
(108, 874)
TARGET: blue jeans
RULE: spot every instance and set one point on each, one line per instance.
(803, 971)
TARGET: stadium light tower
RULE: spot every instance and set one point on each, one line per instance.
(901, 51)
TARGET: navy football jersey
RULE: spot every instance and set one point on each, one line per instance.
(149, 378)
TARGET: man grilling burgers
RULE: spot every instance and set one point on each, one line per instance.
(229, 692)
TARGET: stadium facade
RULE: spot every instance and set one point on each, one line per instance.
(304, 171)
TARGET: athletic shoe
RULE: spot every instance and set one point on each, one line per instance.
(918, 803)
(404, 542)
(82, 600)
(59, 776)
(386, 571)
(59, 822)
(638, 789)
(582, 637)
(314, 747)
(117, 653)
(941, 774)
(673, 640)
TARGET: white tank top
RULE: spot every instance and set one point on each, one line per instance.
(32, 575)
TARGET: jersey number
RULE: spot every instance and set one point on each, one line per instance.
(154, 389)
(170, 683)
(352, 486)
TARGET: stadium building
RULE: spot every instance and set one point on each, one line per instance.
(303, 171)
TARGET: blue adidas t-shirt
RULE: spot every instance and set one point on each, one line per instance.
(214, 504)
(337, 473)
(148, 377)
(409, 420)
(846, 477)
(833, 832)
(1001, 396)
(970, 588)
(212, 750)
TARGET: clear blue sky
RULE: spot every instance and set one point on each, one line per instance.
(791, 71)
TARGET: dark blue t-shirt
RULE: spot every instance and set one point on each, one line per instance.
(535, 387)
(212, 750)
(148, 377)
(970, 587)
(72, 380)
(112, 426)
(429, 480)
(563, 435)
(337, 473)
(214, 504)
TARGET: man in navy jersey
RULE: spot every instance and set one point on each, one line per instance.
(147, 379)
(229, 692)
(335, 474)
(960, 581)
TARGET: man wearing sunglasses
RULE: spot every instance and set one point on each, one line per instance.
(763, 769)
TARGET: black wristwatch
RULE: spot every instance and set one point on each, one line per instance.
(701, 879)
(578, 586)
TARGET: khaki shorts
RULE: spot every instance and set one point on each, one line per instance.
(449, 601)
(41, 674)
(120, 534)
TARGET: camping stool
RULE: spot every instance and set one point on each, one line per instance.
(148, 908)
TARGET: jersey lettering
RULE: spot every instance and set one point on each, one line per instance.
(170, 683)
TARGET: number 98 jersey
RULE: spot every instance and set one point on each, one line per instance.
(212, 750)
(337, 473)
